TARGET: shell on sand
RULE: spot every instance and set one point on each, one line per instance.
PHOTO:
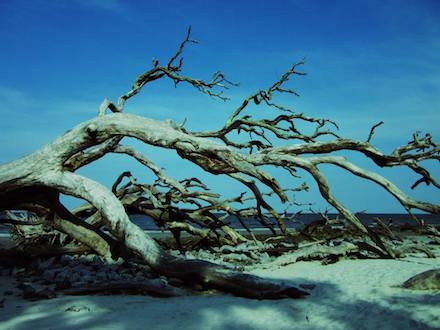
(429, 280)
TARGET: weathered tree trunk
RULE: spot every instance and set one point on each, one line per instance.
(35, 181)
(41, 170)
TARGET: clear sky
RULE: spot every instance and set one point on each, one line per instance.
(366, 61)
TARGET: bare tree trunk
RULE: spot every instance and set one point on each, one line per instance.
(36, 180)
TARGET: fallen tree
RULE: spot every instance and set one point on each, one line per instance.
(35, 182)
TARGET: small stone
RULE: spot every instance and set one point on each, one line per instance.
(65, 284)
(101, 277)
(65, 260)
(139, 277)
(126, 271)
(74, 277)
(161, 283)
(83, 259)
(28, 291)
(49, 275)
(64, 271)
(96, 267)
(113, 276)
(91, 258)
(264, 257)
(226, 249)
(235, 257)
(88, 278)
(97, 261)
(18, 271)
(175, 282)
(46, 263)
(77, 309)
(45, 294)
(113, 267)
(164, 282)
(117, 262)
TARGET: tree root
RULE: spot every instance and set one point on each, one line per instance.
(221, 278)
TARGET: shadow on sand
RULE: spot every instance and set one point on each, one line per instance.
(326, 308)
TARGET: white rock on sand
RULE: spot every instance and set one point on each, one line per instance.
(351, 294)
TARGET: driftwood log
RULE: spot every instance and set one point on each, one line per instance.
(35, 181)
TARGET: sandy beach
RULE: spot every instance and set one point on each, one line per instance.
(220, 165)
(350, 294)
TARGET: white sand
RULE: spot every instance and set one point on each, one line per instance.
(351, 294)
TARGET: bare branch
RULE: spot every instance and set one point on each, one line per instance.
(173, 71)
(180, 50)
(36, 180)
(370, 135)
(266, 95)
(149, 164)
(83, 158)
(282, 127)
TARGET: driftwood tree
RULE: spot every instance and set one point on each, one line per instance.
(35, 182)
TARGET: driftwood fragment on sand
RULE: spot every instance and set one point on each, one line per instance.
(429, 280)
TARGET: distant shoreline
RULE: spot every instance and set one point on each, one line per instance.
(148, 224)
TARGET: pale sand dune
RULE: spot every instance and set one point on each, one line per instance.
(351, 294)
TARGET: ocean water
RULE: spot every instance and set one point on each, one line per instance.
(147, 223)
(397, 218)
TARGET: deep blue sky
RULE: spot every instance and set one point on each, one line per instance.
(366, 61)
